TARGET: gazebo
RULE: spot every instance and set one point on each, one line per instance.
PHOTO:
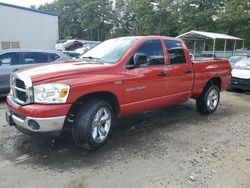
(202, 36)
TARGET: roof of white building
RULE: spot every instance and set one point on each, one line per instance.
(29, 9)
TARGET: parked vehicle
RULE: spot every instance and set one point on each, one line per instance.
(119, 77)
(234, 59)
(11, 60)
(241, 75)
(78, 46)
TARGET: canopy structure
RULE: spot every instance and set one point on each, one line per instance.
(204, 36)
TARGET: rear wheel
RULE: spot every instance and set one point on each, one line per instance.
(209, 100)
(93, 124)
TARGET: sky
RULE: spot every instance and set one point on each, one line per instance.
(26, 3)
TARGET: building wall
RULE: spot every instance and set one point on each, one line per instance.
(33, 30)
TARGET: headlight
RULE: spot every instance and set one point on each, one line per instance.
(51, 93)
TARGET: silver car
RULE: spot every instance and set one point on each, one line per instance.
(11, 60)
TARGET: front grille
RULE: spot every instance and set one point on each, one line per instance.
(20, 95)
(19, 90)
(20, 84)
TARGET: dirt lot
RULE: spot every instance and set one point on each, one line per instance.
(172, 147)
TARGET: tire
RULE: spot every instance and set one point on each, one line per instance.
(209, 100)
(90, 131)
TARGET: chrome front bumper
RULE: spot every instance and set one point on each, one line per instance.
(52, 126)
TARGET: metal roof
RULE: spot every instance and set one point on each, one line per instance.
(201, 35)
(29, 9)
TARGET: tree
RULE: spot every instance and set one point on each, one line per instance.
(200, 15)
(102, 19)
(235, 18)
(97, 19)
(85, 19)
(68, 17)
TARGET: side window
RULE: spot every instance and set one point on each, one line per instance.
(35, 57)
(53, 57)
(152, 49)
(11, 58)
(175, 52)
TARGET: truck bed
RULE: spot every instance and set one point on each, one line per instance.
(210, 68)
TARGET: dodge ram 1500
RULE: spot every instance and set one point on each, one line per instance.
(119, 77)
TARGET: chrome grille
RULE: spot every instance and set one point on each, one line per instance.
(20, 89)
(20, 84)
(20, 95)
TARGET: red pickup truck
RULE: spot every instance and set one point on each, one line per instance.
(119, 77)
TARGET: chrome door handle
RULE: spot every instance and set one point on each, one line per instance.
(162, 74)
(188, 70)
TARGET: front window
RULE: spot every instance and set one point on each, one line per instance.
(243, 64)
(10, 58)
(110, 51)
(152, 49)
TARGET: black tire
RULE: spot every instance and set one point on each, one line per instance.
(202, 101)
(82, 128)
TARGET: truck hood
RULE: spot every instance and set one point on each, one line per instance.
(55, 70)
(241, 73)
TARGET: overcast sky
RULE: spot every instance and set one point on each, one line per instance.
(26, 3)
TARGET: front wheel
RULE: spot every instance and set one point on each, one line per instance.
(209, 100)
(93, 124)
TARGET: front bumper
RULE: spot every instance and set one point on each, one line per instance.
(49, 127)
(34, 119)
(238, 83)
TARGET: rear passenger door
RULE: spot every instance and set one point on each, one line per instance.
(180, 71)
(30, 58)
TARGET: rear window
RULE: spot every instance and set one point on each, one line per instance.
(175, 52)
(35, 57)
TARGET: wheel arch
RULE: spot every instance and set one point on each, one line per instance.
(105, 95)
(214, 81)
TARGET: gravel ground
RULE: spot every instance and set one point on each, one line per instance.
(171, 147)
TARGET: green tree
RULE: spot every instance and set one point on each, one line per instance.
(235, 19)
(133, 17)
(97, 19)
(85, 19)
(200, 15)
(102, 19)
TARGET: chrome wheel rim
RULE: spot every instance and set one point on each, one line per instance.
(101, 124)
(212, 99)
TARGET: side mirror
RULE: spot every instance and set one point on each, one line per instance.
(140, 59)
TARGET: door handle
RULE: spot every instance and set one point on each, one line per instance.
(188, 70)
(162, 74)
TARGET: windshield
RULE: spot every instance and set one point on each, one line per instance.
(110, 51)
(243, 64)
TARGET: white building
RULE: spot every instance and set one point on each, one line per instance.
(27, 28)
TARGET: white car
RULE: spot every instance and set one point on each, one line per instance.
(241, 75)
(78, 46)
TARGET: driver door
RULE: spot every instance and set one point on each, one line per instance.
(147, 81)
